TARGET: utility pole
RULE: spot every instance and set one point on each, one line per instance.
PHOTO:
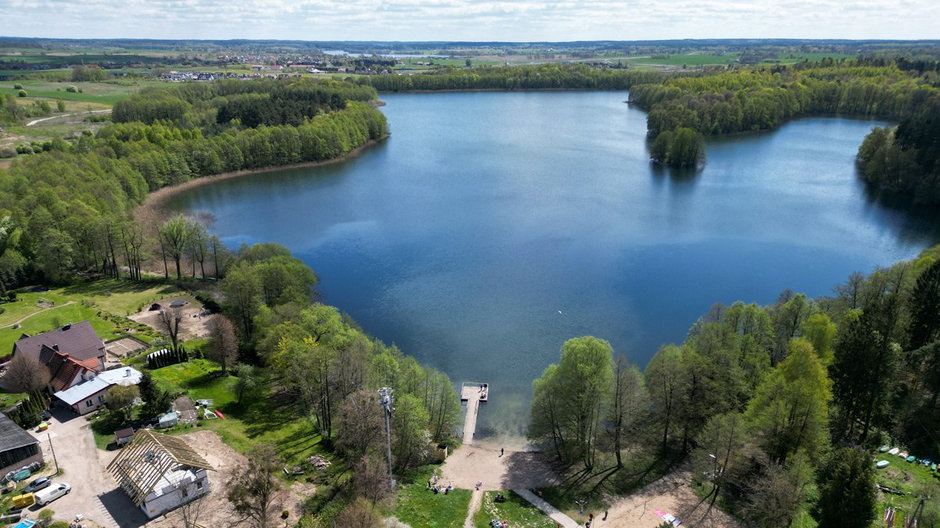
(54, 459)
(385, 399)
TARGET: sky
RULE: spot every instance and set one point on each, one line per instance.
(471, 20)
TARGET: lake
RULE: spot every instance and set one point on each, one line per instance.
(491, 227)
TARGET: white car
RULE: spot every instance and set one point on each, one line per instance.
(53, 492)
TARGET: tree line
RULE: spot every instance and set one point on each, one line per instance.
(766, 403)
(311, 355)
(761, 98)
(558, 76)
(69, 208)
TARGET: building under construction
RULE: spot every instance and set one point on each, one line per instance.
(160, 472)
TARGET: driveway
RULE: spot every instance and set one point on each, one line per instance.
(83, 467)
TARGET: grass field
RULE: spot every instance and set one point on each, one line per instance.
(518, 512)
(261, 417)
(97, 302)
(419, 507)
(105, 93)
(912, 479)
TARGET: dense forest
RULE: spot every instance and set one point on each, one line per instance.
(767, 402)
(539, 77)
(747, 99)
(66, 214)
(68, 208)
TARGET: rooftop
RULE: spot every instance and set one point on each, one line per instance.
(122, 376)
(13, 436)
(78, 340)
(82, 391)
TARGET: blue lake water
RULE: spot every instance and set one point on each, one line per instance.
(491, 227)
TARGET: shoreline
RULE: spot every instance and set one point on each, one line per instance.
(154, 205)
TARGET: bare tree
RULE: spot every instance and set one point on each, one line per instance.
(25, 374)
(360, 423)
(170, 321)
(253, 488)
(370, 480)
(224, 346)
(359, 514)
(190, 511)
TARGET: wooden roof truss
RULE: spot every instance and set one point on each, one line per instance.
(147, 458)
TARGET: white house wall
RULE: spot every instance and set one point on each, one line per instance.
(155, 505)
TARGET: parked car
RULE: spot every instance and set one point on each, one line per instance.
(38, 484)
(45, 416)
(52, 493)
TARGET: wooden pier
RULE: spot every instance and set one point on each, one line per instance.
(473, 393)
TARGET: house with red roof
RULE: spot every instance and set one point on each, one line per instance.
(73, 354)
(77, 341)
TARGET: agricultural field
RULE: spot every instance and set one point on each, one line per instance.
(100, 93)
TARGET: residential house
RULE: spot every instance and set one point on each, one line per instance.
(92, 393)
(17, 447)
(77, 341)
(160, 472)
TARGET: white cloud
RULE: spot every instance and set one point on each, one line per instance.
(508, 20)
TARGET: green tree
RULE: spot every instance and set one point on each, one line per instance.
(242, 291)
(863, 373)
(924, 306)
(411, 444)
(666, 380)
(789, 412)
(173, 239)
(570, 400)
(820, 331)
(249, 381)
(121, 397)
(846, 490)
(629, 404)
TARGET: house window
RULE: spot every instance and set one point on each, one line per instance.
(89, 403)
(184, 491)
(198, 484)
(101, 397)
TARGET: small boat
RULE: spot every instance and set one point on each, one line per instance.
(884, 449)
(894, 451)
(881, 464)
(933, 467)
(911, 459)
(219, 414)
(926, 462)
(903, 454)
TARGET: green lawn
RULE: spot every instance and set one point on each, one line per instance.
(121, 297)
(262, 417)
(910, 478)
(55, 317)
(516, 510)
(419, 507)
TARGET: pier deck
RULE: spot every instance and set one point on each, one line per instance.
(473, 393)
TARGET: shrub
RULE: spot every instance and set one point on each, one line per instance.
(17, 86)
(71, 89)
(21, 93)
(7, 152)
